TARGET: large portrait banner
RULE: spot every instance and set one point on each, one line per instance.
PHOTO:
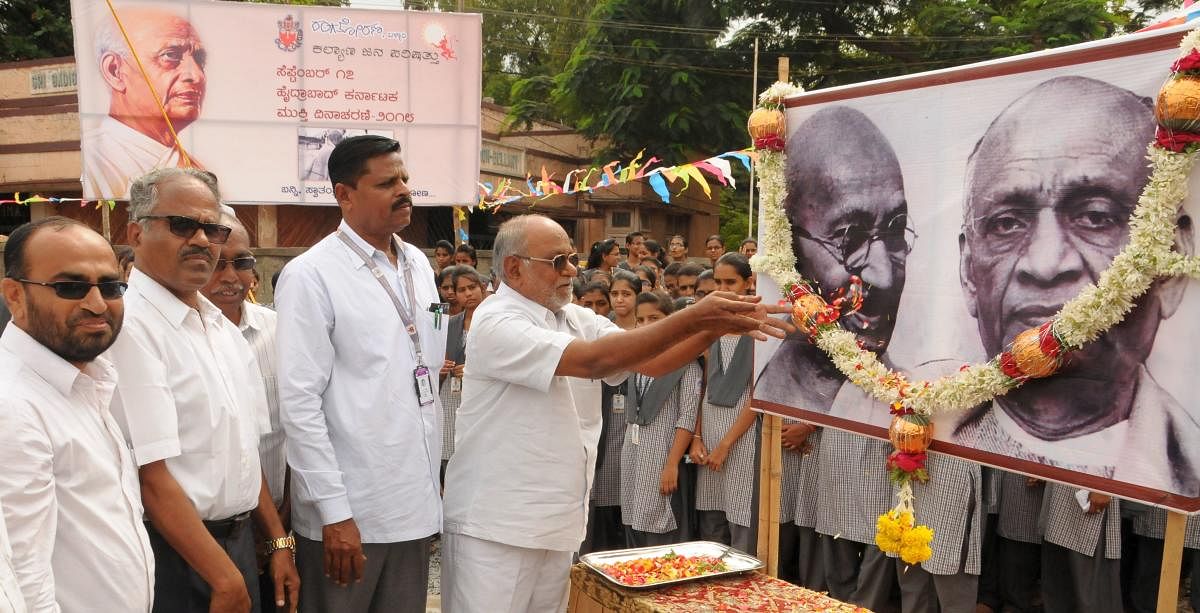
(260, 94)
(973, 203)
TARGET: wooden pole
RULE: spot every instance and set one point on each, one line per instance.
(770, 476)
(106, 222)
(1172, 563)
(268, 226)
(753, 105)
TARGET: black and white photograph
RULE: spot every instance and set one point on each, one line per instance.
(313, 146)
(972, 209)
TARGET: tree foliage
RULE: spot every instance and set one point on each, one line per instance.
(35, 29)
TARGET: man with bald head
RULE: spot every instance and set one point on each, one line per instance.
(69, 485)
(849, 216)
(529, 424)
(1048, 199)
(135, 138)
(1049, 195)
(192, 405)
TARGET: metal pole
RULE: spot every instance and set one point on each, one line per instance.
(753, 105)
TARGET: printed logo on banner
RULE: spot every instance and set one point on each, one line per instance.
(290, 34)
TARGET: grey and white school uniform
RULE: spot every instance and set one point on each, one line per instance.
(605, 530)
(726, 499)
(854, 490)
(655, 409)
(810, 572)
(1019, 539)
(451, 388)
(950, 503)
(1081, 554)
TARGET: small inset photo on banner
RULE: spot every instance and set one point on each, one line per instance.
(313, 146)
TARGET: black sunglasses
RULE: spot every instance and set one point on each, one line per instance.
(559, 262)
(78, 290)
(185, 227)
(242, 263)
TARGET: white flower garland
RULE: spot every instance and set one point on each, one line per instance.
(1148, 255)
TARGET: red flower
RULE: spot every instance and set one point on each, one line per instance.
(774, 143)
(1190, 61)
(906, 462)
(1048, 342)
(1174, 141)
(1008, 365)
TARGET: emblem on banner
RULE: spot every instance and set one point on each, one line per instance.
(290, 34)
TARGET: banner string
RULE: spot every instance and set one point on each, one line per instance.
(187, 160)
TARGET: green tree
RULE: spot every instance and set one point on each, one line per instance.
(34, 29)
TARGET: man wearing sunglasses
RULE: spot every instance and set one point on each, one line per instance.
(227, 289)
(359, 351)
(529, 425)
(69, 484)
(191, 402)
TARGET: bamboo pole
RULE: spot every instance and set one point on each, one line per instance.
(1172, 563)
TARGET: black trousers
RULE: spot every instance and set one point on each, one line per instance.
(180, 589)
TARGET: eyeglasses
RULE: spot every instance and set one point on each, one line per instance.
(242, 263)
(852, 248)
(78, 290)
(559, 262)
(185, 227)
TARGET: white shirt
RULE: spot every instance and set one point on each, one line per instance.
(190, 393)
(359, 444)
(11, 600)
(525, 440)
(258, 328)
(115, 154)
(69, 485)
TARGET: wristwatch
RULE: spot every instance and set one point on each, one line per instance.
(285, 542)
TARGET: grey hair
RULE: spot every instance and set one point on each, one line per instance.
(108, 38)
(143, 193)
(511, 239)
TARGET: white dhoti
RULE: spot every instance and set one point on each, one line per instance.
(485, 576)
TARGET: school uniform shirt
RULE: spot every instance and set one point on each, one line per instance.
(804, 472)
(1020, 508)
(643, 508)
(451, 397)
(1067, 525)
(258, 328)
(72, 502)
(359, 443)
(606, 488)
(11, 600)
(732, 488)
(189, 392)
(854, 488)
(526, 443)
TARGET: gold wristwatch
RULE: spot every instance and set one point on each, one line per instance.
(285, 542)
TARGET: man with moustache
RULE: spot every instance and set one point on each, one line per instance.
(845, 222)
(69, 485)
(135, 138)
(359, 352)
(192, 405)
(1049, 196)
(227, 290)
(530, 421)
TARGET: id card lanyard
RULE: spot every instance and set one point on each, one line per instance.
(422, 377)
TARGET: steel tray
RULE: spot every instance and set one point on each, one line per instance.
(737, 561)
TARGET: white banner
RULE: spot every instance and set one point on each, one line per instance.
(259, 94)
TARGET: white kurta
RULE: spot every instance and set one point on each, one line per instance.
(525, 450)
(115, 154)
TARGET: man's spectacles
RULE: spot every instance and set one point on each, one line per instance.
(78, 290)
(242, 263)
(559, 262)
(852, 248)
(185, 227)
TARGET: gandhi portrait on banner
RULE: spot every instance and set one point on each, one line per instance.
(1049, 191)
(135, 137)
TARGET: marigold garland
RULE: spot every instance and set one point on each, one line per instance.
(1035, 353)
